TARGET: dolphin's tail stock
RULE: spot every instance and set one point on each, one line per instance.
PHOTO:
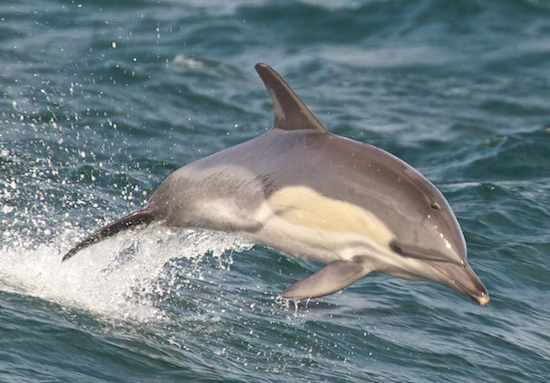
(140, 217)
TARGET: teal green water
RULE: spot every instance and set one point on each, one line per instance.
(101, 100)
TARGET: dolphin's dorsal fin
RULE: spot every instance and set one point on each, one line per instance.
(290, 112)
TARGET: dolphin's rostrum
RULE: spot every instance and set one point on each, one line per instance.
(302, 190)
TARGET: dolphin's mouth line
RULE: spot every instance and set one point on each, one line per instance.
(423, 257)
(481, 297)
(478, 295)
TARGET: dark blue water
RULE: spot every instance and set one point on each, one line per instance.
(101, 100)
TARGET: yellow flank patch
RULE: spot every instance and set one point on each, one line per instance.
(302, 206)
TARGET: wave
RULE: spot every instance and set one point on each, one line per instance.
(125, 278)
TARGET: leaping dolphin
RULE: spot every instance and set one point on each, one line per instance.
(301, 190)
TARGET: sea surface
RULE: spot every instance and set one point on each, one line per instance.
(101, 100)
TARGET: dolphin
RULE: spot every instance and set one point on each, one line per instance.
(303, 191)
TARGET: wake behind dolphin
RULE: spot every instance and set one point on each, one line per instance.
(301, 190)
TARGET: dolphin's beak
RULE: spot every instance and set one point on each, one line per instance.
(462, 279)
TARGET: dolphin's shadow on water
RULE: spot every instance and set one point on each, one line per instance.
(304, 191)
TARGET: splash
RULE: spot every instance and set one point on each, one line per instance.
(121, 278)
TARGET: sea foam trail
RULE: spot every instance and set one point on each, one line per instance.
(118, 278)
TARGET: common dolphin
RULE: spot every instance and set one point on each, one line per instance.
(301, 190)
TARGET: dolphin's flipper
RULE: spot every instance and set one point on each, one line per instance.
(140, 217)
(333, 277)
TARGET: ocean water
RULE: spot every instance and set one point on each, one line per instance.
(101, 100)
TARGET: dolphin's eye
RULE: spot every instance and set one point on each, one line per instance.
(435, 206)
(395, 247)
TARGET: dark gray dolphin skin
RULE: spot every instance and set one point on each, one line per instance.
(301, 190)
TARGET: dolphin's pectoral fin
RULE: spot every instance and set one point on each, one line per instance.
(333, 277)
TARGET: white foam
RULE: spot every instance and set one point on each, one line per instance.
(186, 62)
(117, 278)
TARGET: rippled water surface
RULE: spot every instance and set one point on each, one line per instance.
(101, 100)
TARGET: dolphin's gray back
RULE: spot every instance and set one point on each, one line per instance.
(335, 167)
